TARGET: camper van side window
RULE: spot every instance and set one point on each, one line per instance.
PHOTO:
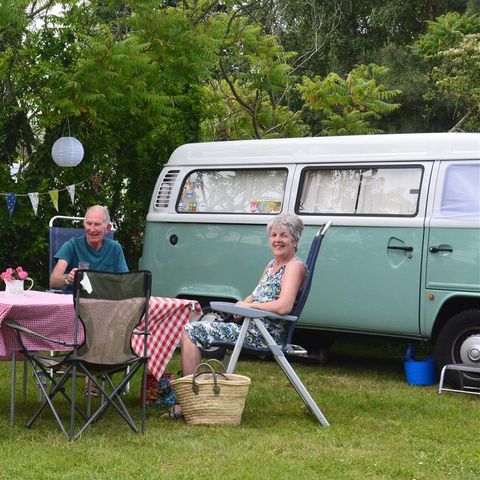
(252, 191)
(361, 191)
(460, 195)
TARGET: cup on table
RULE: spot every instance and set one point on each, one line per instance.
(83, 265)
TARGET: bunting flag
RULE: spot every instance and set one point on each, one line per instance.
(54, 196)
(71, 192)
(95, 182)
(11, 198)
(34, 199)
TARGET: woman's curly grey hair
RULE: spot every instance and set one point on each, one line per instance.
(289, 222)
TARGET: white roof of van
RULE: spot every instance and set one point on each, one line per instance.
(359, 148)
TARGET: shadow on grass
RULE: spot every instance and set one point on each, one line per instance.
(357, 354)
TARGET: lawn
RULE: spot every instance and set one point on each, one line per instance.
(381, 428)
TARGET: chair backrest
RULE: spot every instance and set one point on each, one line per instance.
(110, 306)
(59, 235)
(304, 292)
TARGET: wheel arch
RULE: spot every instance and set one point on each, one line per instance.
(450, 308)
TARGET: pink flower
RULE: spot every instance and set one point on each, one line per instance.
(10, 274)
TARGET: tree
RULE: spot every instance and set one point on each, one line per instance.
(130, 96)
(451, 48)
(248, 95)
(348, 105)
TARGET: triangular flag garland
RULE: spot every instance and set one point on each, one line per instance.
(34, 201)
(11, 198)
(71, 192)
(54, 195)
(95, 182)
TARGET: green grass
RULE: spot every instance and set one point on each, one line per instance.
(381, 428)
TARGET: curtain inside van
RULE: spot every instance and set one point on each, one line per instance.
(461, 192)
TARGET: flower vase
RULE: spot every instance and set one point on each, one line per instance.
(16, 287)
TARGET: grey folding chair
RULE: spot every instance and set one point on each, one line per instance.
(278, 351)
(110, 307)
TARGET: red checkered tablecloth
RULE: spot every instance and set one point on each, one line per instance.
(53, 315)
(46, 313)
(166, 319)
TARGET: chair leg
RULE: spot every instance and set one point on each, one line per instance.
(12, 391)
(25, 375)
(290, 373)
(238, 346)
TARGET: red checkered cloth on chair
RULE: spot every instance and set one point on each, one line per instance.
(166, 319)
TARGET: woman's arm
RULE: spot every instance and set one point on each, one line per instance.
(292, 280)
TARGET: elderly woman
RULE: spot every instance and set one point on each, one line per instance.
(276, 292)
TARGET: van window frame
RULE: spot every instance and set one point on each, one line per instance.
(358, 166)
(232, 168)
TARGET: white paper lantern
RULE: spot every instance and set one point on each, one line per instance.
(67, 152)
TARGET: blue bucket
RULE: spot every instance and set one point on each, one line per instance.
(421, 372)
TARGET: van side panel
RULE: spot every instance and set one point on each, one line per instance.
(207, 260)
(226, 261)
(458, 269)
(362, 285)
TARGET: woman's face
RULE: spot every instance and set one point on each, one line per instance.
(282, 243)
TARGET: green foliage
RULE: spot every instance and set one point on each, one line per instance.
(350, 104)
(446, 32)
(457, 80)
(450, 47)
(127, 78)
(248, 96)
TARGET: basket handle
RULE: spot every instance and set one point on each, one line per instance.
(216, 387)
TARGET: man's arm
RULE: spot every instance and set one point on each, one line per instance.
(58, 278)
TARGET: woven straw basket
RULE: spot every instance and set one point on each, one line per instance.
(211, 398)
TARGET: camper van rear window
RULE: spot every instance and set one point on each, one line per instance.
(246, 191)
(386, 191)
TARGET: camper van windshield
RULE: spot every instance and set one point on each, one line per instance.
(254, 191)
(361, 191)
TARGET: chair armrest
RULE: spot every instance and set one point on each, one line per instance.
(20, 329)
(228, 307)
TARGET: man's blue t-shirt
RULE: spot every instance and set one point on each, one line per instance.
(109, 258)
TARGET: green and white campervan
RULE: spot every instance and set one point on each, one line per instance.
(401, 259)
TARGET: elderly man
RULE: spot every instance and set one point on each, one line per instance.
(100, 252)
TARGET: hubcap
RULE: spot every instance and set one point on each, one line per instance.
(470, 350)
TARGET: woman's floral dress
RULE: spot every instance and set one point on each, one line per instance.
(204, 333)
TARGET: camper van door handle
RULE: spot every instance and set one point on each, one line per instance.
(440, 249)
(400, 247)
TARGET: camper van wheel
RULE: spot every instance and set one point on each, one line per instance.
(459, 342)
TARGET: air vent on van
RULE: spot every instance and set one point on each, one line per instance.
(163, 196)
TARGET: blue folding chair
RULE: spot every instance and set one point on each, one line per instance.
(278, 351)
(58, 235)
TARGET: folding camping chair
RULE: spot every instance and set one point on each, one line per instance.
(110, 306)
(58, 234)
(458, 384)
(278, 351)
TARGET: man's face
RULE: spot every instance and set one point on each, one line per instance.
(95, 228)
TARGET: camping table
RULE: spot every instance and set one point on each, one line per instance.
(49, 314)
(52, 315)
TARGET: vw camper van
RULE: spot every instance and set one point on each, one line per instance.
(402, 258)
